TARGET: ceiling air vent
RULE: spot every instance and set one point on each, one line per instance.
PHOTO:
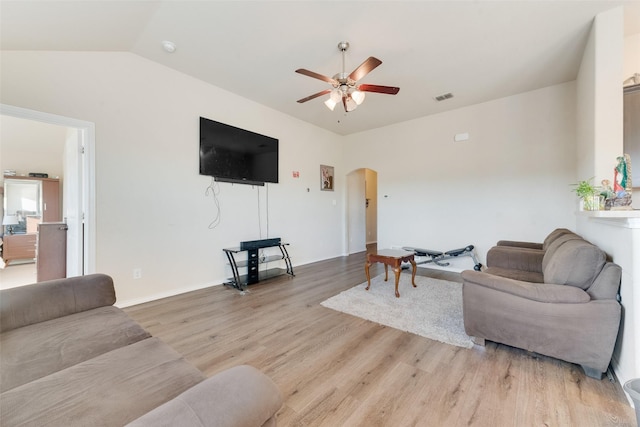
(442, 97)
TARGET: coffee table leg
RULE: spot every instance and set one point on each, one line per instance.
(397, 271)
(413, 272)
(366, 270)
(386, 272)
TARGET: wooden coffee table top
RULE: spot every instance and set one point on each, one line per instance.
(392, 253)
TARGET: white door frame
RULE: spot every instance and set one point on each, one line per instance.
(86, 142)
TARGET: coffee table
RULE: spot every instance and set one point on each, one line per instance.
(393, 258)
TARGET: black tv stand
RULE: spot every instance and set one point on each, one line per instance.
(254, 274)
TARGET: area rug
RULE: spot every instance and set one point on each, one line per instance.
(432, 310)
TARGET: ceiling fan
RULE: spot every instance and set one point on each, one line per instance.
(345, 87)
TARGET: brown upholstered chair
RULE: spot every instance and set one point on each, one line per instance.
(560, 301)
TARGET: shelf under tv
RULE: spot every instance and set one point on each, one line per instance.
(262, 260)
(264, 275)
(253, 262)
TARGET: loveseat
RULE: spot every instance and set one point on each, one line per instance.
(558, 298)
(68, 357)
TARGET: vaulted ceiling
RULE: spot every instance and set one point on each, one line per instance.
(477, 50)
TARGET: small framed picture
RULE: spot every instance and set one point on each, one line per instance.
(326, 178)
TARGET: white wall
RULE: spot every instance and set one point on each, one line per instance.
(586, 111)
(599, 130)
(510, 180)
(152, 212)
(599, 99)
(621, 241)
(28, 146)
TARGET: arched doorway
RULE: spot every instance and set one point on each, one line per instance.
(362, 209)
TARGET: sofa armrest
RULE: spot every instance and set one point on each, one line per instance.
(541, 292)
(514, 258)
(240, 396)
(26, 305)
(526, 245)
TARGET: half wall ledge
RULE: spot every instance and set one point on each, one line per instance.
(625, 219)
(618, 234)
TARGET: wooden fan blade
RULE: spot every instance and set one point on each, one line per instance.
(365, 68)
(316, 76)
(315, 95)
(389, 90)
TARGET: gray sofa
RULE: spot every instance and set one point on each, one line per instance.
(68, 357)
(557, 298)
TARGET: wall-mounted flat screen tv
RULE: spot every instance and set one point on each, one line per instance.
(231, 154)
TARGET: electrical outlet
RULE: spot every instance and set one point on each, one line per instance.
(137, 273)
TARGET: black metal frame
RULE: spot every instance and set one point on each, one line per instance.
(253, 262)
(438, 257)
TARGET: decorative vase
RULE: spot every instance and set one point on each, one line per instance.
(593, 203)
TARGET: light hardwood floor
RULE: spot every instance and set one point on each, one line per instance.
(339, 370)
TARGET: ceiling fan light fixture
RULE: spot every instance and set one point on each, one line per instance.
(357, 96)
(345, 89)
(336, 96)
(330, 103)
(350, 104)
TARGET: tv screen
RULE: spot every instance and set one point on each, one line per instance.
(231, 154)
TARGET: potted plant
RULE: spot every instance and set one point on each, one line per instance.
(589, 193)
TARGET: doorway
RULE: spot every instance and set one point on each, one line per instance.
(362, 209)
(79, 185)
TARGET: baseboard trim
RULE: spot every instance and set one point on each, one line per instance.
(161, 295)
(621, 378)
(174, 292)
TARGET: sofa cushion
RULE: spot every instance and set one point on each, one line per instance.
(109, 390)
(523, 275)
(34, 351)
(553, 247)
(607, 283)
(541, 292)
(520, 244)
(514, 258)
(554, 235)
(62, 296)
(241, 396)
(579, 333)
(574, 263)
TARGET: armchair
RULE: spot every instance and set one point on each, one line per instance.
(559, 302)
